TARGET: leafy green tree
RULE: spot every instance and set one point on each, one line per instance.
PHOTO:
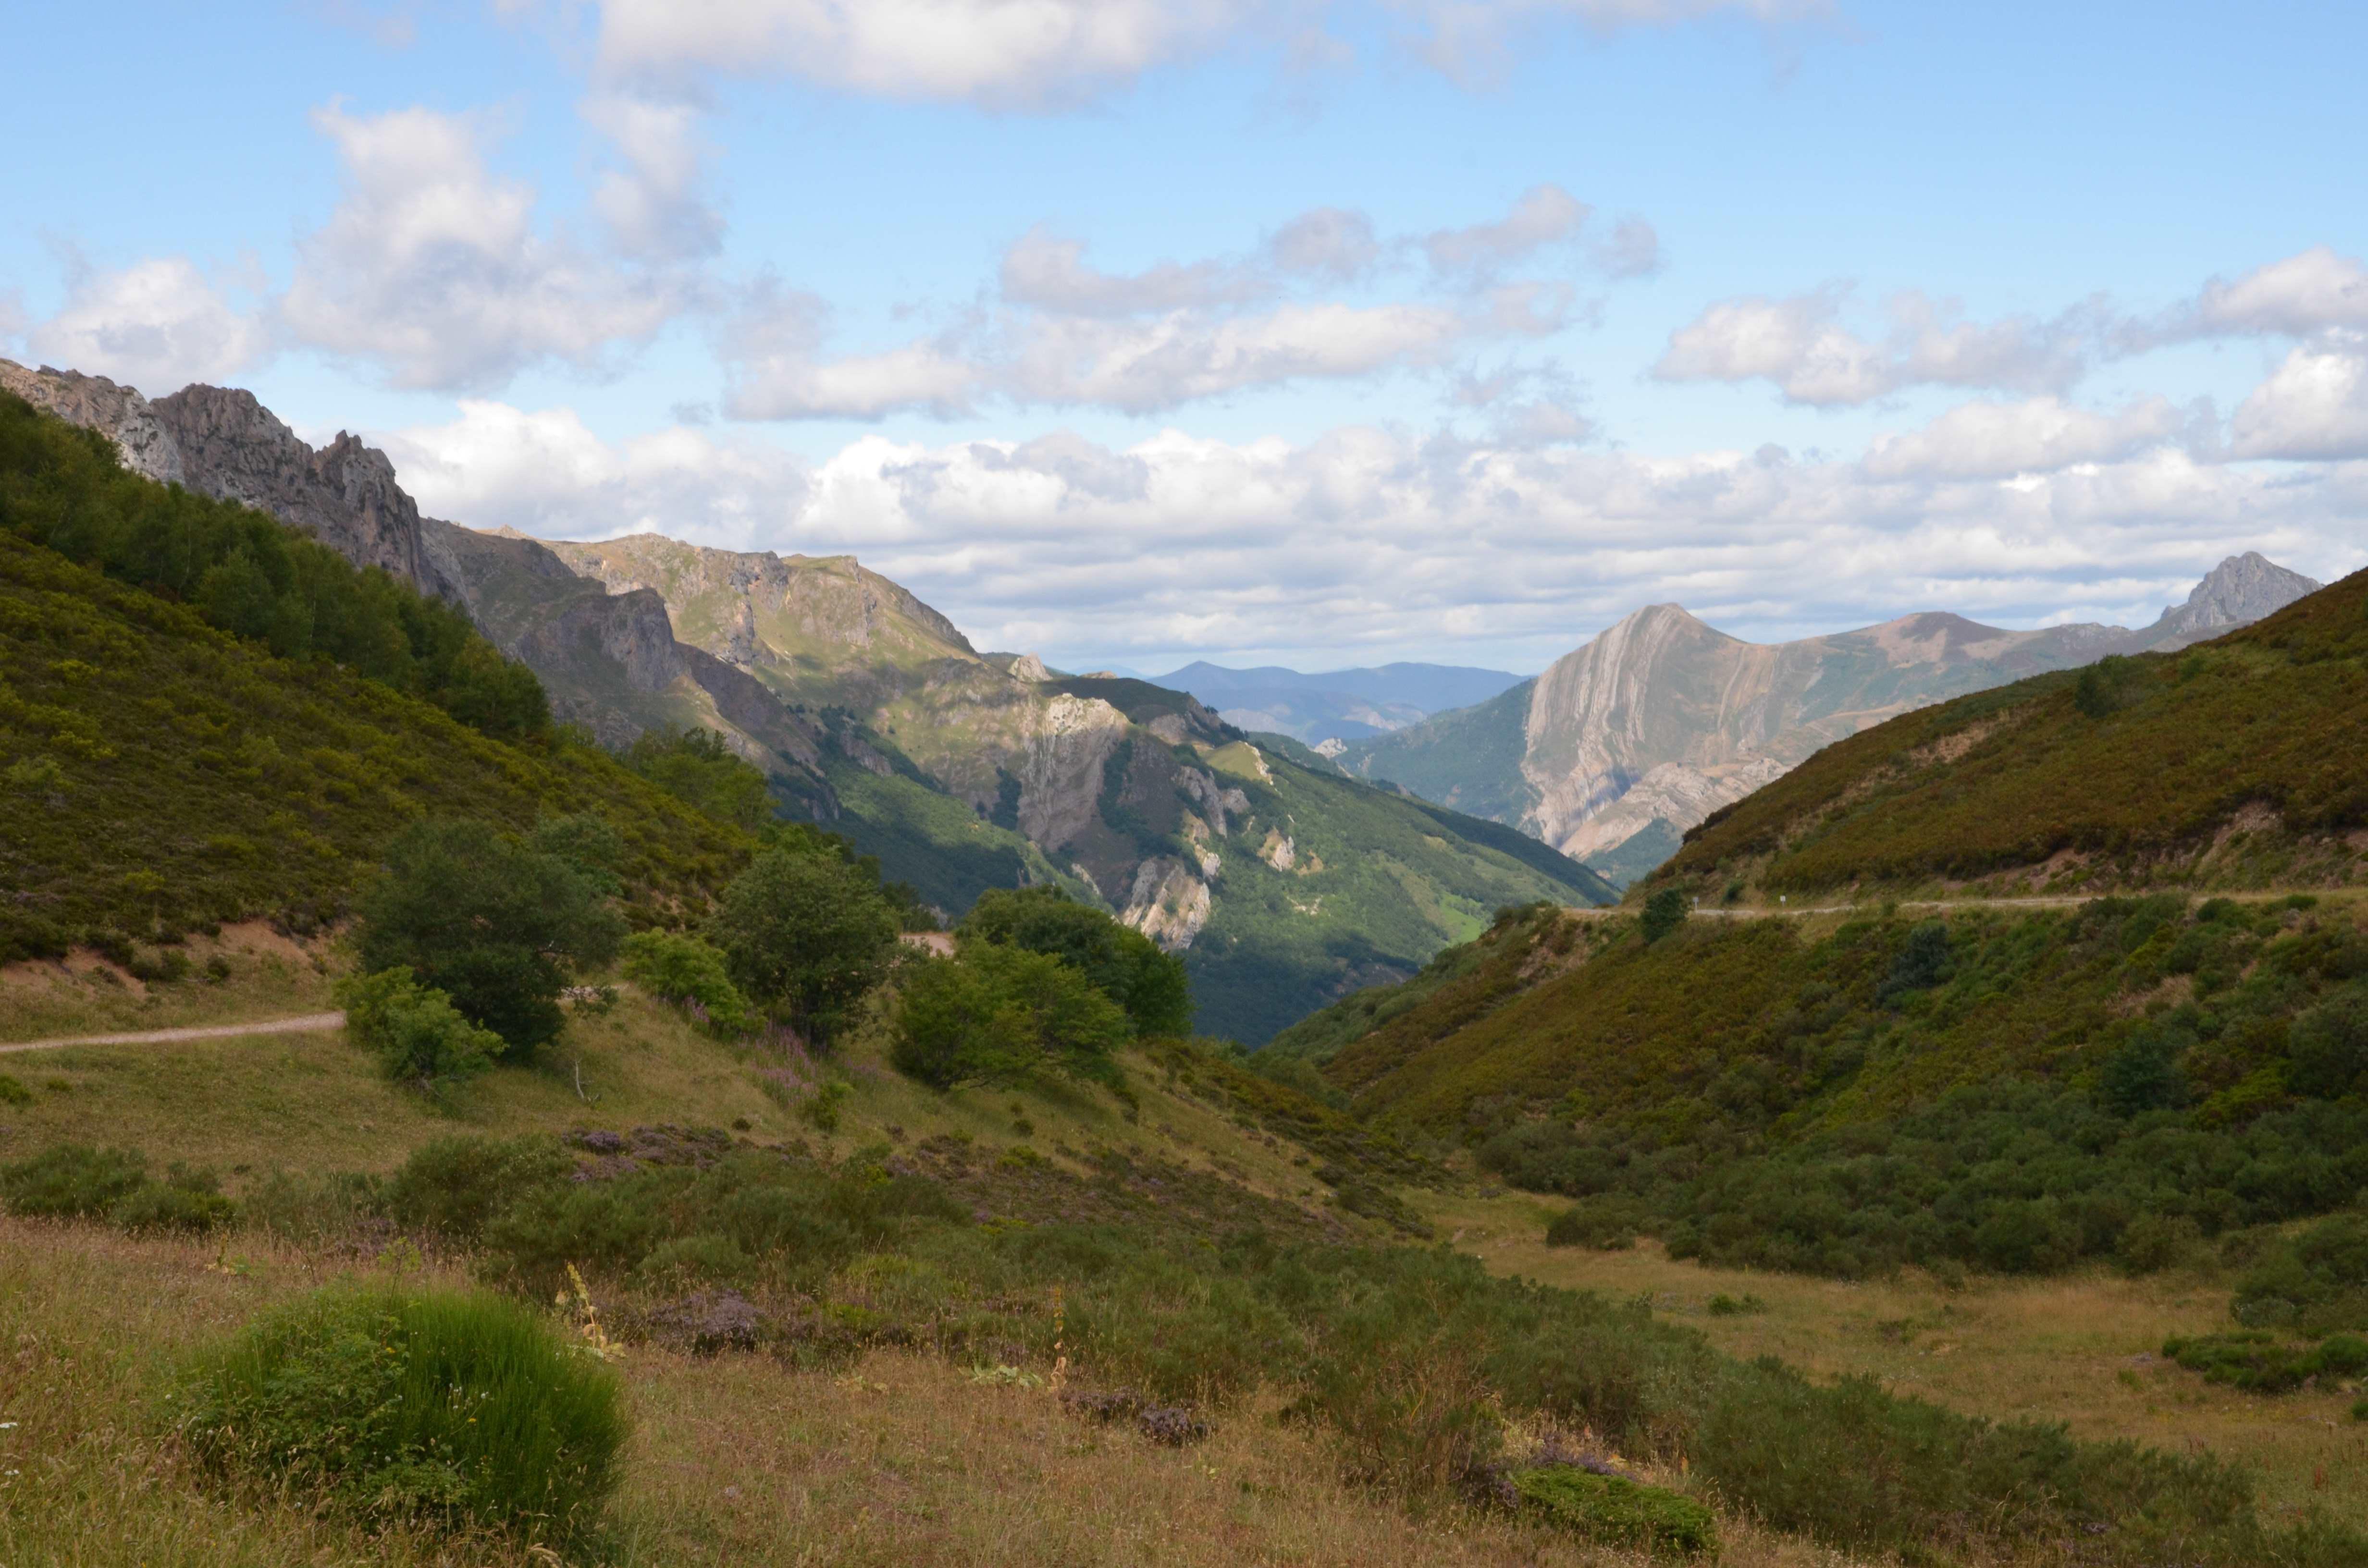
(805, 935)
(1122, 963)
(1002, 1014)
(1664, 912)
(683, 969)
(416, 1034)
(593, 849)
(497, 925)
(700, 769)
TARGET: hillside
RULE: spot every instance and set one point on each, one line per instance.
(1620, 746)
(162, 774)
(2234, 763)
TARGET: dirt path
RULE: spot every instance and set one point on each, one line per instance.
(311, 1023)
(2048, 900)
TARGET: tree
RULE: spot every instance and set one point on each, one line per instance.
(1664, 912)
(496, 924)
(700, 769)
(1002, 1015)
(1121, 964)
(676, 968)
(805, 936)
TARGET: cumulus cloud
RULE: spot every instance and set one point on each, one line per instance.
(1067, 333)
(1545, 215)
(1367, 540)
(158, 325)
(651, 201)
(1800, 345)
(436, 269)
(1469, 39)
(2313, 406)
(1998, 440)
(774, 369)
(2304, 293)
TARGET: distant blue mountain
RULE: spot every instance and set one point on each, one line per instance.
(1342, 705)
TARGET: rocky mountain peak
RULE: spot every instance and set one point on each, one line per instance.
(2240, 590)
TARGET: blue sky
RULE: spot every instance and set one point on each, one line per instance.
(1326, 334)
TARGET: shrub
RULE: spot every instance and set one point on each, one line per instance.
(999, 1015)
(452, 1187)
(493, 924)
(448, 1408)
(416, 1034)
(12, 1090)
(679, 968)
(70, 1181)
(1616, 1510)
(807, 934)
(1604, 1228)
(1664, 912)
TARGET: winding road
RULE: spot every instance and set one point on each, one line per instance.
(310, 1023)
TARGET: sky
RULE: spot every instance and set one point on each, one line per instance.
(1131, 332)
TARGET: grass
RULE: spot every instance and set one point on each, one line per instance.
(2084, 1349)
(268, 976)
(894, 1458)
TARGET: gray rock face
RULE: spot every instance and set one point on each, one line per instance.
(2237, 592)
(118, 413)
(343, 494)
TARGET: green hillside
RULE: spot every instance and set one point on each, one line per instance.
(1468, 758)
(160, 773)
(2236, 763)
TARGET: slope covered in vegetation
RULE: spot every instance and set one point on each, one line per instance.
(2235, 763)
(171, 765)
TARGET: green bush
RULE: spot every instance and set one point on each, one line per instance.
(700, 769)
(679, 968)
(493, 924)
(1616, 1510)
(416, 1034)
(1121, 964)
(1002, 1014)
(76, 1181)
(2316, 1282)
(12, 1090)
(453, 1186)
(809, 934)
(452, 1409)
(1664, 912)
(1604, 1228)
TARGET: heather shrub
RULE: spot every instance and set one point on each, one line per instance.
(76, 1181)
(452, 1409)
(452, 1187)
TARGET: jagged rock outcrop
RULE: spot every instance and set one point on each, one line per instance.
(1168, 904)
(118, 413)
(343, 494)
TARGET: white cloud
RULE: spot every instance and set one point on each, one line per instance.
(1005, 53)
(2302, 294)
(1802, 346)
(158, 325)
(771, 350)
(1545, 215)
(1328, 241)
(1365, 540)
(1042, 269)
(1998, 440)
(2313, 406)
(652, 205)
(435, 269)
(1469, 39)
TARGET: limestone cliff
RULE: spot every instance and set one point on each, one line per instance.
(118, 413)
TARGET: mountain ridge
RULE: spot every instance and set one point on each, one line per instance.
(1617, 748)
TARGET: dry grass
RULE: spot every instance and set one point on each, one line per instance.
(2081, 1349)
(899, 1459)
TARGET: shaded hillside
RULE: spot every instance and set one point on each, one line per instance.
(1620, 745)
(2240, 762)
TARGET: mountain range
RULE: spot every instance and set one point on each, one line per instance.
(1284, 884)
(1617, 748)
(1327, 709)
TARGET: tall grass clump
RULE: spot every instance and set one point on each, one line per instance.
(440, 1407)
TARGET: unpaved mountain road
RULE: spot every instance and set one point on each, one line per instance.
(2049, 901)
(310, 1023)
